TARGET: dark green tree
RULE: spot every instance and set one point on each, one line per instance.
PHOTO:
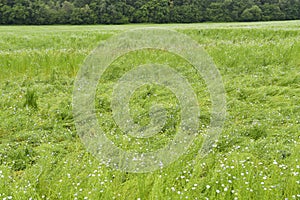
(252, 14)
(272, 12)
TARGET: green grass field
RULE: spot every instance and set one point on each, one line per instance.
(256, 156)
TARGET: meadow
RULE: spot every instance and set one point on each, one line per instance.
(255, 157)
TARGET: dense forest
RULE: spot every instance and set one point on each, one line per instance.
(144, 11)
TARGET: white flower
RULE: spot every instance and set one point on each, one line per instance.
(207, 186)
(295, 173)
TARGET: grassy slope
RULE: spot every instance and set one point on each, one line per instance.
(257, 156)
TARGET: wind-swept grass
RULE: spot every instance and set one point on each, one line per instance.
(256, 157)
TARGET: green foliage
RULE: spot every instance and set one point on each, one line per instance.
(272, 12)
(19, 157)
(142, 11)
(31, 99)
(255, 157)
(252, 14)
(256, 131)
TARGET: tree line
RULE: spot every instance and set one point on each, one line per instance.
(37, 12)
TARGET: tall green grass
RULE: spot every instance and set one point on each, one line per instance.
(256, 157)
